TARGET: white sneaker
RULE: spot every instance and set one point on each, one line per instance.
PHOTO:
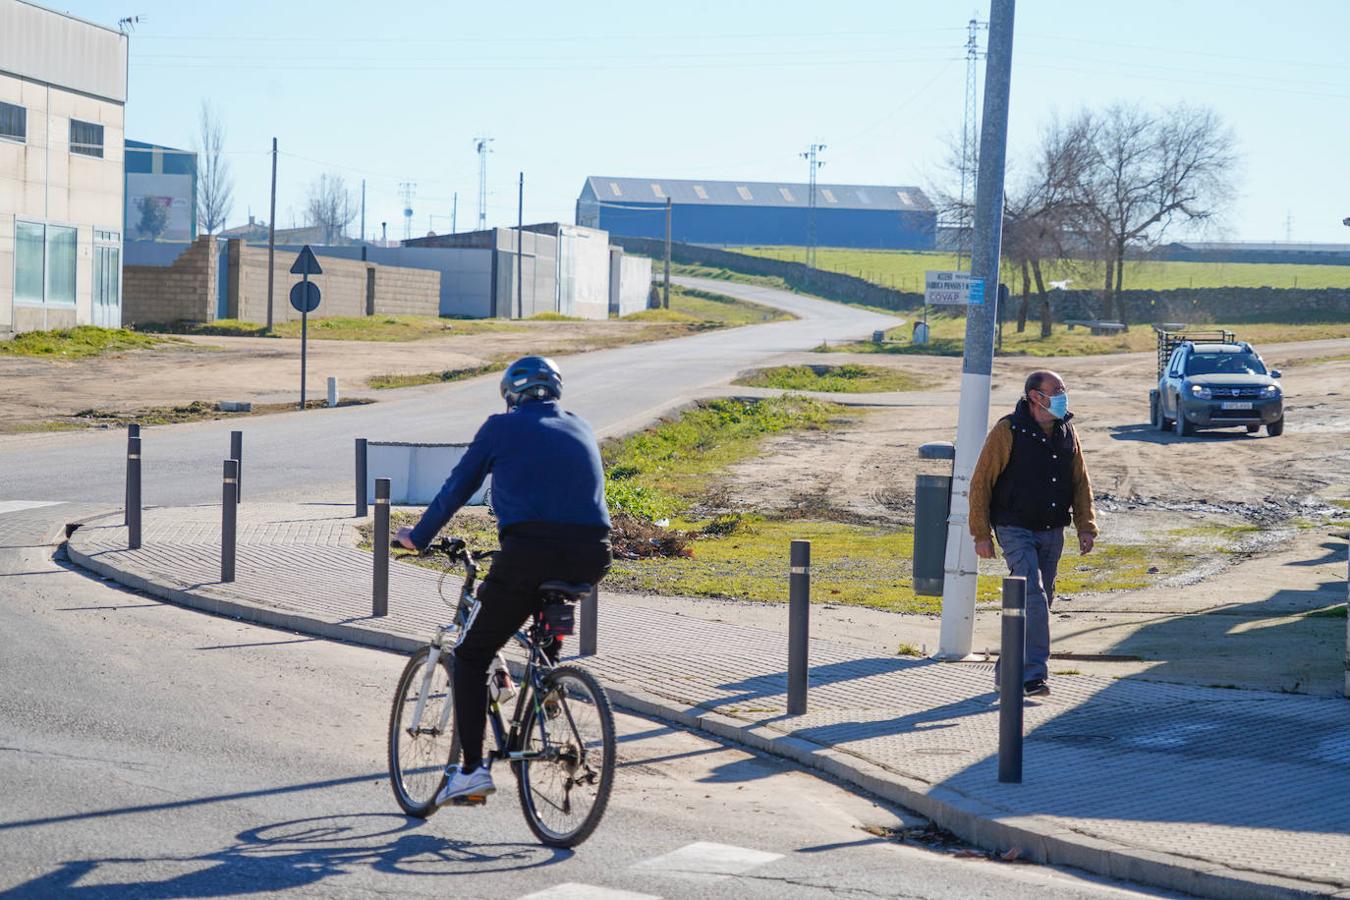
(466, 787)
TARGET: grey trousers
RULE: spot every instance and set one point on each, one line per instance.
(1034, 555)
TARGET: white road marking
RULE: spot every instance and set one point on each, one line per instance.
(9, 506)
(707, 859)
(573, 891)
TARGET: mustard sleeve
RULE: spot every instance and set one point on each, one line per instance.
(993, 460)
(1084, 514)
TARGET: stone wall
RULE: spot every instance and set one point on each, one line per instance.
(182, 292)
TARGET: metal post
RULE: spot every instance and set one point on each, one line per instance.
(589, 621)
(133, 431)
(1010, 694)
(229, 512)
(271, 236)
(237, 454)
(379, 538)
(304, 337)
(958, 593)
(360, 478)
(799, 625)
(520, 248)
(665, 292)
(363, 211)
(134, 493)
(332, 391)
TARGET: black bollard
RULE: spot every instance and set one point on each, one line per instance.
(133, 431)
(360, 478)
(589, 621)
(229, 514)
(237, 454)
(380, 539)
(1010, 693)
(799, 625)
(133, 493)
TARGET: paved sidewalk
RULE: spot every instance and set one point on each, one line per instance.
(1216, 792)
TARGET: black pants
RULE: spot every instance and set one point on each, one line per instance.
(532, 553)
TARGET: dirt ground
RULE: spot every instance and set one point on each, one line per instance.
(1237, 616)
(267, 370)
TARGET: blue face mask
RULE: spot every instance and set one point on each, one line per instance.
(1059, 405)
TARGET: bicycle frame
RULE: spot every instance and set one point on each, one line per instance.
(531, 686)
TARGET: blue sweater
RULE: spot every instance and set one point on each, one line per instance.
(545, 467)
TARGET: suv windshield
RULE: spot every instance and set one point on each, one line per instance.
(1224, 364)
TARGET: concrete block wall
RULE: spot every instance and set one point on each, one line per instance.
(182, 292)
(405, 292)
(342, 286)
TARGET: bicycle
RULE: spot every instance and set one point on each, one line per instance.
(560, 739)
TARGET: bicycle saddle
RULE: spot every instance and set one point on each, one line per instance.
(566, 589)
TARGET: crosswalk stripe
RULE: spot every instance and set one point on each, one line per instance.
(571, 890)
(9, 506)
(707, 859)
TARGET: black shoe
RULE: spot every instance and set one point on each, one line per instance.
(1036, 688)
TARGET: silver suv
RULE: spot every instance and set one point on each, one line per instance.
(1218, 385)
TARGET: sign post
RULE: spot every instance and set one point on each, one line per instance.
(305, 299)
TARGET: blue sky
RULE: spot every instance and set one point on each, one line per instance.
(396, 92)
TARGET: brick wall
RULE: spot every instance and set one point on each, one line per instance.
(182, 292)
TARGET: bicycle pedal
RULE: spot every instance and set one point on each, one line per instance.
(470, 800)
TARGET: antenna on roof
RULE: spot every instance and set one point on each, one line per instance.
(128, 24)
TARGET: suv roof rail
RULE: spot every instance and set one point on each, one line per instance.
(1169, 341)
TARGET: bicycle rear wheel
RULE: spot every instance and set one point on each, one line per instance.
(565, 797)
(420, 751)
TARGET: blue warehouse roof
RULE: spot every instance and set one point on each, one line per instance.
(754, 193)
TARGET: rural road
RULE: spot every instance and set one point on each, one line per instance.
(309, 456)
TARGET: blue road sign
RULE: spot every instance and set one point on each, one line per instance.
(306, 263)
(305, 296)
(976, 291)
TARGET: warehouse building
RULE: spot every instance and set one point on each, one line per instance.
(63, 90)
(161, 193)
(745, 213)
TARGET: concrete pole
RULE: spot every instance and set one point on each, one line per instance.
(958, 591)
(665, 291)
(271, 237)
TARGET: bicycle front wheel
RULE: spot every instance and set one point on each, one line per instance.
(420, 750)
(564, 793)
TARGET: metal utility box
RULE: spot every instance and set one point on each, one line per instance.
(932, 502)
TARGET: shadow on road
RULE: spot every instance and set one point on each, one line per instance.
(295, 854)
(1149, 434)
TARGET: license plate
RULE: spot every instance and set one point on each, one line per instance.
(1234, 404)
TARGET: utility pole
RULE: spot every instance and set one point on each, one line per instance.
(406, 188)
(271, 236)
(454, 213)
(812, 164)
(520, 248)
(969, 145)
(363, 210)
(481, 143)
(665, 293)
(959, 582)
(384, 234)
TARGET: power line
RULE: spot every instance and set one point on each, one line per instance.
(481, 145)
(813, 164)
(970, 142)
(405, 190)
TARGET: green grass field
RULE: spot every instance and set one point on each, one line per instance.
(845, 379)
(904, 270)
(345, 328)
(78, 343)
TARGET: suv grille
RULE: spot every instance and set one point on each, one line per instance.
(1245, 392)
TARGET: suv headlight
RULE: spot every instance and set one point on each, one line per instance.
(1270, 390)
(1201, 392)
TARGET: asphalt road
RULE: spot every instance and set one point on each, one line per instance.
(309, 456)
(151, 751)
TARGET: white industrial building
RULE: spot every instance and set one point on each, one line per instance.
(63, 89)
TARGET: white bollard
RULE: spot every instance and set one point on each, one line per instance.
(332, 391)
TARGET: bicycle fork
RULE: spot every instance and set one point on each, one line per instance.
(446, 709)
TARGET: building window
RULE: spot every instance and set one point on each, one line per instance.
(744, 192)
(828, 195)
(787, 195)
(13, 122)
(60, 264)
(86, 138)
(28, 243)
(44, 263)
(659, 191)
(702, 194)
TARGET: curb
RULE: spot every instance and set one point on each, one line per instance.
(968, 818)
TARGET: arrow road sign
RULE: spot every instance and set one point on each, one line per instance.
(305, 296)
(306, 263)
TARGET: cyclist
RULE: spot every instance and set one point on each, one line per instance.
(548, 491)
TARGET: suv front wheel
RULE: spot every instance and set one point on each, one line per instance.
(1276, 428)
(1183, 427)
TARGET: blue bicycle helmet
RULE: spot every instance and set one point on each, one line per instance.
(531, 378)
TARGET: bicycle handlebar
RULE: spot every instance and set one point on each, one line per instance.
(455, 548)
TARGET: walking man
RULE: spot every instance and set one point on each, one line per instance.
(1028, 484)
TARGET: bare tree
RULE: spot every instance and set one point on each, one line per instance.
(330, 206)
(1147, 172)
(215, 185)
